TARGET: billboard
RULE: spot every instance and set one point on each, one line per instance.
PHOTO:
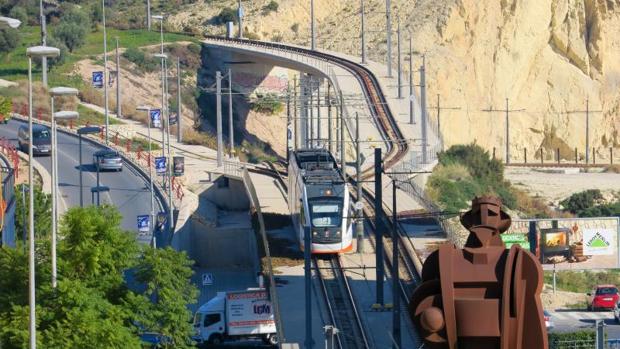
(569, 243)
(179, 165)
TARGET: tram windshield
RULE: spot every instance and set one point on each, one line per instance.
(326, 214)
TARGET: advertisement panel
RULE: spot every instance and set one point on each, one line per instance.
(569, 243)
(97, 79)
(179, 165)
(249, 312)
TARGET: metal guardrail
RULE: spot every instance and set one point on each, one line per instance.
(271, 284)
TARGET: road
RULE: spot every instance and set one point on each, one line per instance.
(573, 320)
(128, 190)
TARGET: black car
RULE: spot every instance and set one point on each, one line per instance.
(42, 139)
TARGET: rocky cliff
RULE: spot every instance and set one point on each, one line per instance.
(547, 57)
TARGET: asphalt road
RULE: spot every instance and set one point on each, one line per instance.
(572, 320)
(128, 190)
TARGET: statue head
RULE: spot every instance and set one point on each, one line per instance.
(485, 221)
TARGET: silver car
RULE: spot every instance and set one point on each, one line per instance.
(617, 313)
(548, 321)
(108, 160)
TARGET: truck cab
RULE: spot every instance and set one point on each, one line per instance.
(210, 320)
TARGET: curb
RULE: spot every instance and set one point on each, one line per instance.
(46, 178)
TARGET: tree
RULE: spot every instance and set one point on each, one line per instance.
(166, 274)
(9, 39)
(94, 247)
(6, 106)
(42, 212)
(73, 28)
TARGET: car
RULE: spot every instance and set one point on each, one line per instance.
(548, 321)
(108, 159)
(617, 312)
(42, 144)
(604, 297)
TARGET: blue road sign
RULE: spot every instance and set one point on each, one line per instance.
(97, 79)
(160, 165)
(143, 223)
(156, 117)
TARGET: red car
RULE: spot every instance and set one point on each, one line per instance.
(604, 297)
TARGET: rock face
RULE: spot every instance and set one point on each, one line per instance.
(547, 57)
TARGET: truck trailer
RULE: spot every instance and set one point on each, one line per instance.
(236, 315)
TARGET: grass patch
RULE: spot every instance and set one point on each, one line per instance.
(582, 281)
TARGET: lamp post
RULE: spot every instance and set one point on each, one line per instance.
(148, 113)
(166, 133)
(84, 131)
(61, 115)
(105, 73)
(10, 22)
(33, 52)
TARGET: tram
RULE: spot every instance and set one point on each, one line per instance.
(319, 201)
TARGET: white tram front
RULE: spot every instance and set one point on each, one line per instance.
(319, 202)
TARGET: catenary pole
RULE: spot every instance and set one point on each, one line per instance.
(43, 20)
(105, 73)
(119, 103)
(363, 15)
(388, 18)
(400, 74)
(411, 87)
(330, 135)
(396, 336)
(379, 227)
(318, 113)
(359, 226)
(32, 328)
(295, 121)
(218, 103)
(231, 133)
(179, 106)
(424, 112)
(312, 27)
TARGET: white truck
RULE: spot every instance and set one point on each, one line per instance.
(236, 315)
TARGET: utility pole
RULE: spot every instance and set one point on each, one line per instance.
(312, 28)
(179, 119)
(343, 153)
(118, 82)
(587, 112)
(507, 112)
(309, 342)
(400, 77)
(318, 112)
(424, 112)
(359, 226)
(218, 103)
(388, 17)
(43, 20)
(231, 133)
(379, 227)
(148, 15)
(240, 15)
(289, 127)
(395, 275)
(439, 109)
(295, 121)
(363, 14)
(330, 136)
(411, 88)
(105, 73)
(311, 109)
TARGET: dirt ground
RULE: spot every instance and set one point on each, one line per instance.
(561, 299)
(554, 187)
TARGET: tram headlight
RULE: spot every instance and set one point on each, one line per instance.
(338, 233)
(314, 233)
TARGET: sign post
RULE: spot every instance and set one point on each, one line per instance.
(144, 223)
(155, 115)
(160, 165)
(98, 79)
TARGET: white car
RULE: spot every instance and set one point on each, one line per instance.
(617, 312)
(548, 322)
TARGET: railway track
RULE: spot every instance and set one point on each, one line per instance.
(340, 303)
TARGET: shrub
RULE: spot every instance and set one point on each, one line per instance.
(267, 104)
(272, 6)
(561, 340)
(226, 15)
(141, 59)
(73, 28)
(295, 28)
(582, 201)
(20, 13)
(9, 39)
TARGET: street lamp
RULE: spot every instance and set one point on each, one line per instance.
(148, 115)
(10, 22)
(105, 72)
(36, 52)
(166, 132)
(61, 115)
(84, 131)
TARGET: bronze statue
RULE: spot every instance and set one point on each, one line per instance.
(482, 296)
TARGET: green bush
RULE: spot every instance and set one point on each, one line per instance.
(20, 13)
(9, 39)
(467, 171)
(581, 201)
(141, 59)
(583, 281)
(272, 6)
(566, 340)
(226, 15)
(267, 104)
